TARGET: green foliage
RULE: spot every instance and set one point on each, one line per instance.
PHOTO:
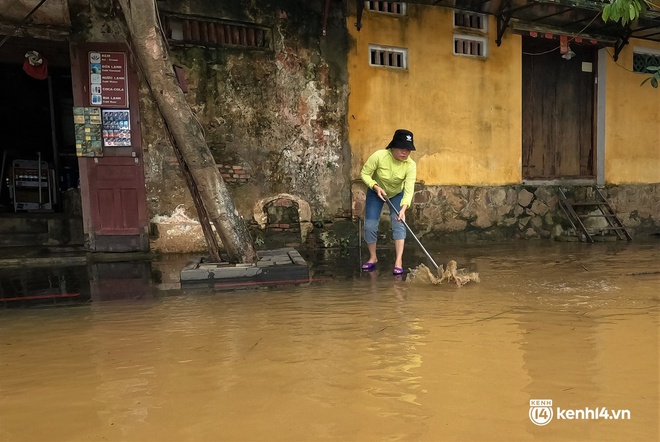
(623, 11)
(655, 78)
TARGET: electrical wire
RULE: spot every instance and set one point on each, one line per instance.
(572, 38)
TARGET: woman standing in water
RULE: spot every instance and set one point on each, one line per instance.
(389, 173)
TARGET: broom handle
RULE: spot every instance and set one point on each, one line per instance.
(413, 235)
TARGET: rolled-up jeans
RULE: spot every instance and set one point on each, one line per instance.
(373, 209)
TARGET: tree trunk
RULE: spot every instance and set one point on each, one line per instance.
(149, 49)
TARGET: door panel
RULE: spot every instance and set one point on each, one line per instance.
(112, 186)
(117, 198)
(558, 110)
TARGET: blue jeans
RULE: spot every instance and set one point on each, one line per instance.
(373, 209)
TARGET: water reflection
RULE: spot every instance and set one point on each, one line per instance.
(360, 357)
(59, 285)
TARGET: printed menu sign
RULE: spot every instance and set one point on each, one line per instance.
(108, 80)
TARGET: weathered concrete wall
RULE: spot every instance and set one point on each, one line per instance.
(274, 119)
(632, 140)
(276, 123)
(465, 112)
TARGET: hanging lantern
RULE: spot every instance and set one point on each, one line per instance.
(35, 65)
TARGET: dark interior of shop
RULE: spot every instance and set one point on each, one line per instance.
(38, 161)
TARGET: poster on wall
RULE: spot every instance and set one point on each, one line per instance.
(116, 128)
(87, 125)
(108, 80)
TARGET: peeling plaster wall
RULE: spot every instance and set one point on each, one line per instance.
(277, 115)
(274, 119)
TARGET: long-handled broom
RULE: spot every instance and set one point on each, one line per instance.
(435, 266)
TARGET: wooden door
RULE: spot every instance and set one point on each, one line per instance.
(116, 204)
(112, 186)
(558, 110)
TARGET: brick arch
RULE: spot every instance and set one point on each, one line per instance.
(304, 212)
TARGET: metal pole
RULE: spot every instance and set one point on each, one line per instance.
(54, 188)
(413, 235)
(39, 176)
(2, 171)
(360, 239)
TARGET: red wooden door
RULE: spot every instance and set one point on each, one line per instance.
(116, 206)
(112, 185)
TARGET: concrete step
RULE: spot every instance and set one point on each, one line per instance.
(40, 230)
(23, 239)
(16, 225)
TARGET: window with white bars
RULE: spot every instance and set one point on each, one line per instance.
(471, 23)
(471, 20)
(388, 57)
(471, 46)
(398, 8)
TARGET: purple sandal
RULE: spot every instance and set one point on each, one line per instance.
(397, 271)
(368, 266)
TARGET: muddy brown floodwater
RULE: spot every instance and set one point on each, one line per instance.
(359, 357)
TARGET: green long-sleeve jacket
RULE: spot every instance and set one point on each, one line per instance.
(390, 174)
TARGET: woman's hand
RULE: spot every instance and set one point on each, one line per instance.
(380, 192)
(402, 214)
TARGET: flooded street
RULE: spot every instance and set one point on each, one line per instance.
(352, 357)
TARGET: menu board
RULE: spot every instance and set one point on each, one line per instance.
(108, 80)
(87, 125)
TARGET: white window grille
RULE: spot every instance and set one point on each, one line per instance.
(471, 46)
(471, 23)
(471, 20)
(398, 8)
(388, 57)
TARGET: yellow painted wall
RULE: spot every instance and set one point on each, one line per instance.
(465, 112)
(632, 121)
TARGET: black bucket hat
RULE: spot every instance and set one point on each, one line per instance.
(402, 139)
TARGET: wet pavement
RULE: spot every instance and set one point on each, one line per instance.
(352, 356)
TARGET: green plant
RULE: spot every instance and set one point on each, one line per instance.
(624, 11)
(655, 78)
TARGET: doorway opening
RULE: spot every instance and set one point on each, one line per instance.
(558, 103)
(38, 162)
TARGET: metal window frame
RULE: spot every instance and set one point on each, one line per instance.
(484, 20)
(482, 40)
(389, 49)
(404, 8)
